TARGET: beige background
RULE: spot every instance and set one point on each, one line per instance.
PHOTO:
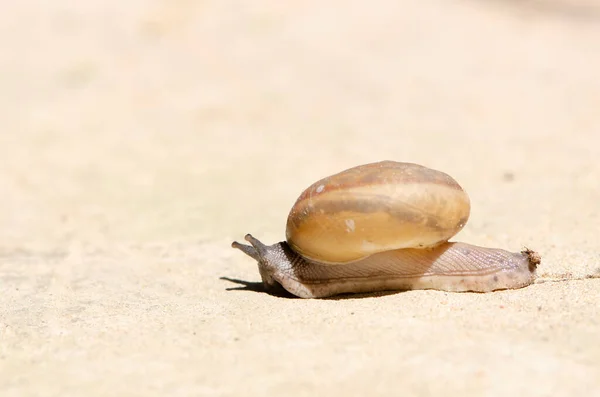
(140, 138)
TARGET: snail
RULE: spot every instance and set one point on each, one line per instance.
(384, 226)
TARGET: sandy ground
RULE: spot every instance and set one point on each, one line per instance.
(140, 138)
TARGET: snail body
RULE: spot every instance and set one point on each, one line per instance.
(384, 226)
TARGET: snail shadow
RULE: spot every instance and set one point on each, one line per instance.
(280, 292)
(258, 286)
(350, 296)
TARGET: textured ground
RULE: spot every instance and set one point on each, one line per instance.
(140, 138)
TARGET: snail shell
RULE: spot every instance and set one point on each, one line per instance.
(384, 226)
(374, 208)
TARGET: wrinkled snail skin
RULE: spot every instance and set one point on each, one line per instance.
(382, 227)
(455, 267)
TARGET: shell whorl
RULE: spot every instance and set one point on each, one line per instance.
(374, 208)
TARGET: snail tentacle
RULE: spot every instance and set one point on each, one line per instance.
(257, 250)
(246, 249)
(275, 263)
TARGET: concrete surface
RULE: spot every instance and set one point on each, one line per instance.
(140, 138)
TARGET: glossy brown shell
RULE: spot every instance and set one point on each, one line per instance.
(373, 208)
